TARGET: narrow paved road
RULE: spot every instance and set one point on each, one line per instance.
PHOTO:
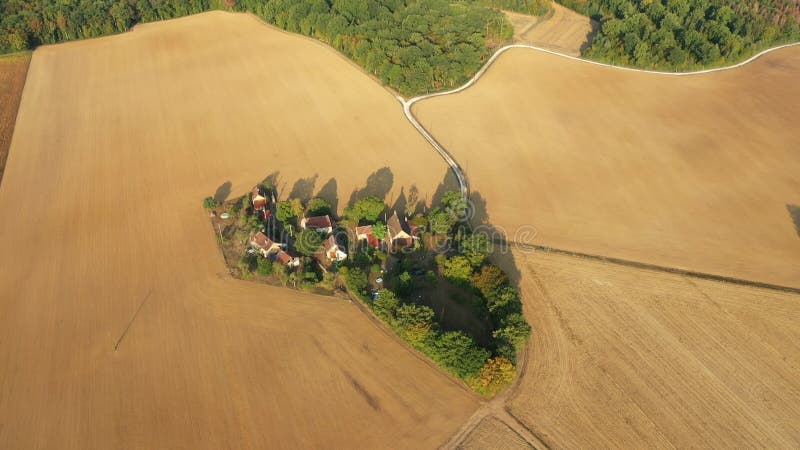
(462, 180)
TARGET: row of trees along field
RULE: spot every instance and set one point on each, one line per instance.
(412, 46)
(686, 34)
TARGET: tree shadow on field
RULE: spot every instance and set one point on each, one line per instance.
(223, 192)
(271, 180)
(401, 202)
(329, 192)
(413, 201)
(500, 238)
(590, 36)
(379, 184)
(304, 187)
(794, 213)
(448, 183)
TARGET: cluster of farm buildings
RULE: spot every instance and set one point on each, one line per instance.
(399, 234)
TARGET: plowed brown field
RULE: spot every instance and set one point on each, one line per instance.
(693, 172)
(631, 358)
(117, 142)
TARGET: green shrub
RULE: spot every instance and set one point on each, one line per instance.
(264, 267)
(385, 306)
(356, 280)
(210, 203)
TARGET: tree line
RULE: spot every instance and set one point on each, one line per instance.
(535, 7)
(412, 46)
(686, 34)
(464, 262)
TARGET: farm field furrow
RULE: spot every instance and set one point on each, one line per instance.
(631, 358)
(118, 141)
(695, 172)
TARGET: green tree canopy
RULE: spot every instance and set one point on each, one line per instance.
(379, 230)
(410, 315)
(369, 209)
(356, 280)
(210, 203)
(685, 34)
(504, 301)
(458, 353)
(440, 222)
(458, 268)
(289, 209)
(513, 329)
(385, 306)
(318, 207)
(455, 205)
(476, 247)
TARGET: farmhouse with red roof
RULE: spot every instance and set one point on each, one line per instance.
(264, 245)
(364, 233)
(259, 199)
(323, 224)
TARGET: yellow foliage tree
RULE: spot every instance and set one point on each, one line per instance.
(495, 375)
(416, 334)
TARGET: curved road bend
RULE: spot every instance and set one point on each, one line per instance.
(462, 181)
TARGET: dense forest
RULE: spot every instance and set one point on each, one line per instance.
(412, 46)
(686, 34)
(418, 46)
(535, 7)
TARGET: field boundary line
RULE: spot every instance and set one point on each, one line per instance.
(652, 267)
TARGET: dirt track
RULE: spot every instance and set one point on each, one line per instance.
(562, 30)
(102, 197)
(493, 434)
(665, 170)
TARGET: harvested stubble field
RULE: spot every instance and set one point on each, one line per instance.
(562, 30)
(631, 358)
(492, 433)
(118, 141)
(12, 79)
(693, 172)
